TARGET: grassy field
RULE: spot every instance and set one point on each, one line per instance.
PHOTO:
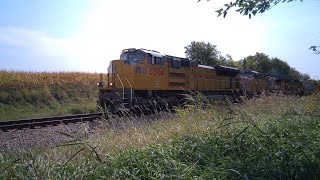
(31, 94)
(274, 137)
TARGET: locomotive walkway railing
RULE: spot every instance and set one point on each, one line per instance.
(131, 91)
(121, 85)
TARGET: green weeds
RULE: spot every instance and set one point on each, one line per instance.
(268, 138)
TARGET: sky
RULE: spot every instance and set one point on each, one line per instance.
(85, 35)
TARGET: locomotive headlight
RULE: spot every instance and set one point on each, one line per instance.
(102, 83)
(110, 84)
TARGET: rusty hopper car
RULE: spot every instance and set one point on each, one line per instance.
(289, 86)
(253, 82)
(143, 77)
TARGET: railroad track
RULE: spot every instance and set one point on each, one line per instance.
(46, 121)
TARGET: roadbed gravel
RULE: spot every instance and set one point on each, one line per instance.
(45, 137)
(51, 136)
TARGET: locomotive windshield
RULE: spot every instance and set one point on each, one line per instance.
(132, 57)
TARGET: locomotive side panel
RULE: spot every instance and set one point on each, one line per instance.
(178, 79)
(150, 78)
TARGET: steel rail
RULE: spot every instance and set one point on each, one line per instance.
(45, 121)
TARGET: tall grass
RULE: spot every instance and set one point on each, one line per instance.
(272, 137)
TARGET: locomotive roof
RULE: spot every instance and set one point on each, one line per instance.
(288, 80)
(250, 71)
(206, 67)
(179, 58)
(152, 52)
(227, 71)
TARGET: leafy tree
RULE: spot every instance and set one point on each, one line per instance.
(224, 59)
(247, 63)
(314, 49)
(228, 61)
(273, 66)
(207, 53)
(294, 73)
(279, 67)
(305, 77)
(233, 63)
(259, 62)
(250, 7)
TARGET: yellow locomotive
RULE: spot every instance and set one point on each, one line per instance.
(143, 77)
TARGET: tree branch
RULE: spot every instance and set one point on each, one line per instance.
(250, 7)
(314, 49)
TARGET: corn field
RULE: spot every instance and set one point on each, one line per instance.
(36, 88)
(12, 79)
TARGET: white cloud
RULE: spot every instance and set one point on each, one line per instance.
(31, 41)
(36, 49)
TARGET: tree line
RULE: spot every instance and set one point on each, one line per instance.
(208, 54)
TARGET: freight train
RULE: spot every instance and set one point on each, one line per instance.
(144, 78)
(255, 83)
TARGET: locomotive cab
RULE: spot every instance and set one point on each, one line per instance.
(141, 56)
(132, 56)
(136, 75)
